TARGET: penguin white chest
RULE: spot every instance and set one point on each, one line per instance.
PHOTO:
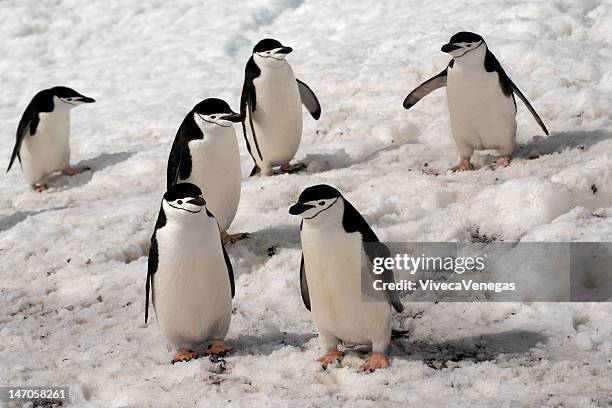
(215, 168)
(48, 150)
(332, 260)
(278, 115)
(482, 117)
(191, 288)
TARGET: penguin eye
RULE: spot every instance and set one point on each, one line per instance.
(213, 117)
(179, 202)
(321, 202)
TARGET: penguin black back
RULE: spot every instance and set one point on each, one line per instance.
(42, 102)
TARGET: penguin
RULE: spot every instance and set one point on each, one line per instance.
(480, 100)
(335, 240)
(190, 277)
(271, 108)
(205, 153)
(43, 135)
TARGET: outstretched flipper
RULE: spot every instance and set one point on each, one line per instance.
(508, 87)
(427, 87)
(535, 115)
(309, 99)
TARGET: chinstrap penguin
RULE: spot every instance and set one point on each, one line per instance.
(333, 234)
(190, 276)
(43, 135)
(480, 100)
(205, 153)
(271, 108)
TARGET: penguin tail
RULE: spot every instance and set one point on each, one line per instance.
(256, 170)
(11, 163)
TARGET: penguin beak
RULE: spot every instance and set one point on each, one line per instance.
(233, 117)
(85, 99)
(448, 48)
(284, 50)
(299, 208)
(199, 201)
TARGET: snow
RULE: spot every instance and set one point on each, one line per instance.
(74, 258)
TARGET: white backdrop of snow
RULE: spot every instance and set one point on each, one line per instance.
(74, 258)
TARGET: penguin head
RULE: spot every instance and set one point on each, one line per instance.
(466, 46)
(212, 113)
(67, 98)
(320, 204)
(270, 52)
(182, 202)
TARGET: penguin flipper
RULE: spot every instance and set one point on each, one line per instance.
(230, 270)
(380, 250)
(247, 106)
(27, 127)
(174, 161)
(256, 170)
(309, 99)
(153, 260)
(152, 269)
(427, 87)
(248, 102)
(508, 87)
(352, 221)
(522, 97)
(304, 285)
(179, 161)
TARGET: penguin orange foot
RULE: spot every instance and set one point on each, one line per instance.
(71, 171)
(503, 161)
(464, 165)
(225, 237)
(183, 354)
(218, 347)
(292, 168)
(39, 188)
(330, 357)
(377, 360)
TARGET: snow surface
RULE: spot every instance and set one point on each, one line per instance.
(74, 258)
